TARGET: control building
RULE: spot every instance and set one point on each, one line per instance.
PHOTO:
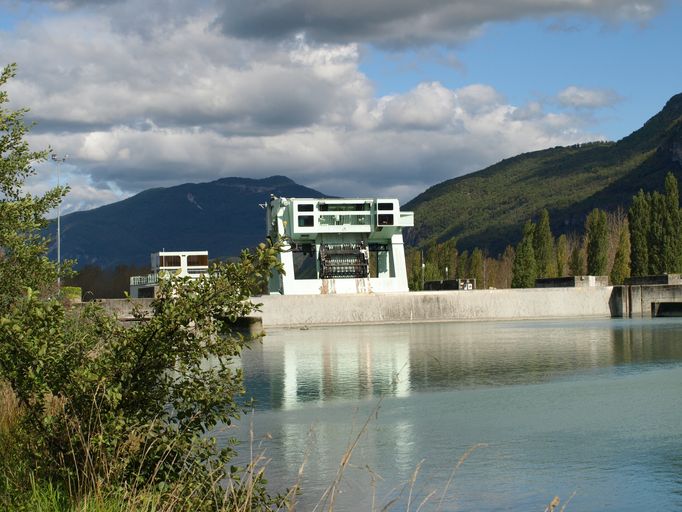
(338, 245)
(172, 263)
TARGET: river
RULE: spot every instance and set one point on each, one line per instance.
(472, 416)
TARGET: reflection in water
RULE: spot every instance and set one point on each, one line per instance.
(293, 367)
(587, 406)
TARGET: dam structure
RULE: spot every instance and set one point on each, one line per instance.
(338, 246)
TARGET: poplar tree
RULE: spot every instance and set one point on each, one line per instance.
(524, 269)
(543, 246)
(672, 248)
(476, 267)
(639, 220)
(656, 233)
(576, 264)
(562, 255)
(596, 235)
(621, 263)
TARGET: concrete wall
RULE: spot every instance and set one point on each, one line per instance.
(641, 298)
(291, 311)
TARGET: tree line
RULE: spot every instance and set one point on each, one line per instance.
(645, 240)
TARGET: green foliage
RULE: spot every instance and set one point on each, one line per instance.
(671, 254)
(596, 235)
(487, 208)
(639, 220)
(621, 263)
(134, 407)
(656, 231)
(524, 269)
(543, 245)
(476, 267)
(576, 263)
(562, 256)
(23, 260)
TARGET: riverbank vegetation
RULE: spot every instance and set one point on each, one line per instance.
(95, 416)
(646, 240)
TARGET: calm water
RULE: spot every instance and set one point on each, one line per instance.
(586, 408)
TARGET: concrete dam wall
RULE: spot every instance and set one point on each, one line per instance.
(447, 306)
(532, 303)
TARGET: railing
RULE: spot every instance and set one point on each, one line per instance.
(144, 280)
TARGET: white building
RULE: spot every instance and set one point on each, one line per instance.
(171, 263)
(338, 245)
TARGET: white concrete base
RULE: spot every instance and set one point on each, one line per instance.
(532, 303)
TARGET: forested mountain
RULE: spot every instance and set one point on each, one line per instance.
(488, 208)
(222, 217)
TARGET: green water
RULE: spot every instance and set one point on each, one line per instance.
(589, 409)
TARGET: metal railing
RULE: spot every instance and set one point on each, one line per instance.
(144, 280)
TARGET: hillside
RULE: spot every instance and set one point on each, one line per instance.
(222, 217)
(488, 208)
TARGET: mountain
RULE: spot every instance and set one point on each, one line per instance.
(488, 208)
(222, 217)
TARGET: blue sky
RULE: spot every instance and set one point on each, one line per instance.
(352, 97)
(533, 60)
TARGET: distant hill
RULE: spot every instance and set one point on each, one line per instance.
(488, 208)
(222, 217)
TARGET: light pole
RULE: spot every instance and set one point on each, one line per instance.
(59, 162)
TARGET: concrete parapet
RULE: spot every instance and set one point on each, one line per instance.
(670, 279)
(122, 309)
(301, 310)
(571, 281)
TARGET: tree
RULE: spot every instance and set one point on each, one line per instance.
(23, 249)
(562, 256)
(576, 263)
(621, 262)
(596, 235)
(524, 269)
(154, 398)
(505, 268)
(639, 220)
(477, 267)
(671, 253)
(543, 245)
(104, 408)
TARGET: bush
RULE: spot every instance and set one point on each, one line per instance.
(128, 411)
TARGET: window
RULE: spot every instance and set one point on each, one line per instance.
(385, 206)
(306, 207)
(344, 207)
(306, 221)
(385, 219)
(169, 261)
(197, 260)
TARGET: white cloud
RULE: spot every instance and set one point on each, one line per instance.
(182, 101)
(579, 97)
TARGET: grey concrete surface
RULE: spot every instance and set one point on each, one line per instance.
(302, 310)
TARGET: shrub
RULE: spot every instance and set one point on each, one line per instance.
(130, 410)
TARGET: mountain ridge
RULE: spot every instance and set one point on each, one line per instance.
(221, 216)
(487, 208)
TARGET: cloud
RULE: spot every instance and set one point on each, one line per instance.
(581, 98)
(181, 100)
(403, 23)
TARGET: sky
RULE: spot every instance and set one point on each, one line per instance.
(368, 98)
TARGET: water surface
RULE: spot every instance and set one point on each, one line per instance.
(589, 409)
